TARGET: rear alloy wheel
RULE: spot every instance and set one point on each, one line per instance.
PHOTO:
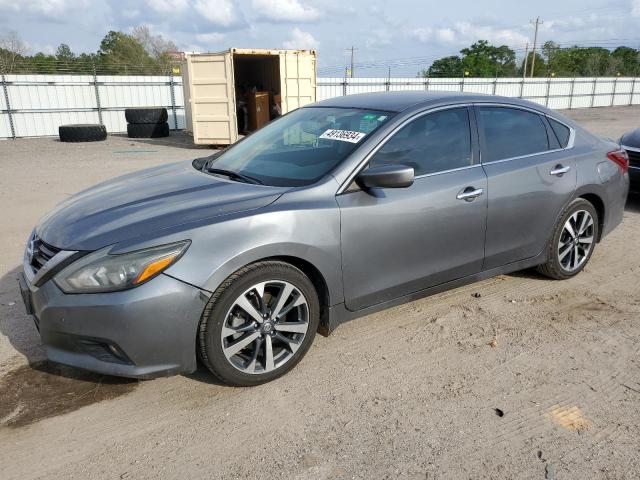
(573, 241)
(576, 240)
(259, 323)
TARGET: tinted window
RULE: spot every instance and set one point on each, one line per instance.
(300, 147)
(562, 132)
(432, 143)
(509, 132)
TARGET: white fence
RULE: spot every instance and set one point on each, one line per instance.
(35, 105)
(556, 93)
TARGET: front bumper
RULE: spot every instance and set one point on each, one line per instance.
(145, 332)
(634, 178)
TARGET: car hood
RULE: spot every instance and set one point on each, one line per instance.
(631, 139)
(145, 201)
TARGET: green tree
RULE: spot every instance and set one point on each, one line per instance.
(628, 60)
(484, 60)
(540, 68)
(480, 59)
(445, 67)
(123, 54)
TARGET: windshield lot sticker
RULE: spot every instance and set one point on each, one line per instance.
(343, 135)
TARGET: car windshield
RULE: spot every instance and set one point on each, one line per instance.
(299, 148)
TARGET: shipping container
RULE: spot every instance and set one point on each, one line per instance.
(221, 88)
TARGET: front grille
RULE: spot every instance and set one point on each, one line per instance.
(42, 253)
(634, 158)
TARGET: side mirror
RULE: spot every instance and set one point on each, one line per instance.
(386, 176)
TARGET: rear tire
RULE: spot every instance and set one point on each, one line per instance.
(146, 115)
(148, 130)
(268, 353)
(82, 133)
(573, 241)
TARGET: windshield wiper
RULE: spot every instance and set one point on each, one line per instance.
(234, 175)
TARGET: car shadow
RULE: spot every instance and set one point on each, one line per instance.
(20, 330)
(41, 389)
(633, 203)
(176, 139)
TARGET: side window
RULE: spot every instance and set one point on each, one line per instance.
(432, 143)
(562, 132)
(510, 132)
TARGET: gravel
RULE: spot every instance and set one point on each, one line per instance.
(475, 382)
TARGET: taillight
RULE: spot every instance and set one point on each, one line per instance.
(621, 158)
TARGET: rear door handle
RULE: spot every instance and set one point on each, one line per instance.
(559, 170)
(470, 194)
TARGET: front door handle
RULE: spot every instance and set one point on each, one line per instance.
(470, 194)
(559, 170)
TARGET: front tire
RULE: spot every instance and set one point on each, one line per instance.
(573, 241)
(259, 323)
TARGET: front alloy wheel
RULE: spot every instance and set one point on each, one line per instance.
(265, 327)
(259, 323)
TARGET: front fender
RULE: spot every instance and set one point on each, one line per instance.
(219, 250)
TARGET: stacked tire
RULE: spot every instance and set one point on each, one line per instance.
(147, 122)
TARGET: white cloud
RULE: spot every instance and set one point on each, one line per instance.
(47, 8)
(284, 11)
(213, 37)
(301, 40)
(635, 8)
(464, 33)
(217, 12)
(168, 6)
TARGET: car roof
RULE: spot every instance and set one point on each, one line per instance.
(400, 101)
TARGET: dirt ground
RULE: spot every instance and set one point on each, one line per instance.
(513, 377)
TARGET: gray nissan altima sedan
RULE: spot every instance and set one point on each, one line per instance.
(332, 212)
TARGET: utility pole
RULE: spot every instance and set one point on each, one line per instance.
(352, 49)
(537, 23)
(526, 59)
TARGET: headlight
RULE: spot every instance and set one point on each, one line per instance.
(102, 272)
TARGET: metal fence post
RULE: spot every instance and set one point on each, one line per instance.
(462, 84)
(546, 99)
(633, 89)
(426, 84)
(522, 88)
(593, 92)
(9, 112)
(344, 87)
(495, 84)
(97, 92)
(573, 85)
(173, 98)
(613, 95)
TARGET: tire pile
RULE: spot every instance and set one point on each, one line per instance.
(147, 122)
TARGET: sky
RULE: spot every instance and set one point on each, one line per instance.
(403, 35)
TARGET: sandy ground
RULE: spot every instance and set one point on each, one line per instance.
(514, 377)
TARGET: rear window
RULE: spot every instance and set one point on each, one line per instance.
(562, 132)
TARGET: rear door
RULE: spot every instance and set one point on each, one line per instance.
(530, 179)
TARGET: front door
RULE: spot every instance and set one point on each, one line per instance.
(399, 241)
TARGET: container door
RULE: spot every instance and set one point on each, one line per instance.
(298, 74)
(212, 99)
